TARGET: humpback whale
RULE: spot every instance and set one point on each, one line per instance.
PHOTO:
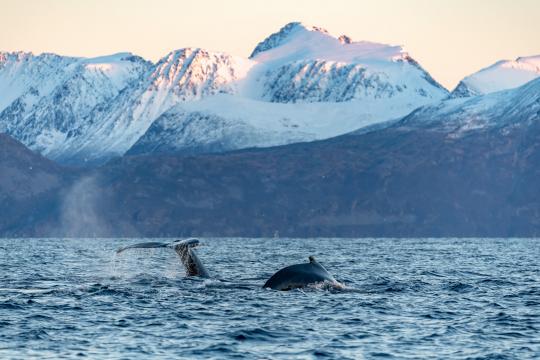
(290, 277)
(298, 276)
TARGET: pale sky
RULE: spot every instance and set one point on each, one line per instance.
(450, 38)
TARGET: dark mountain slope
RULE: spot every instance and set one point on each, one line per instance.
(30, 186)
(460, 168)
(394, 182)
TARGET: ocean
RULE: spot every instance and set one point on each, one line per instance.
(400, 299)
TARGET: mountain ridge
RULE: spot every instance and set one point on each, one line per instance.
(502, 75)
(299, 84)
(89, 113)
(461, 168)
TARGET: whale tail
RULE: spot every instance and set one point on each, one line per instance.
(184, 249)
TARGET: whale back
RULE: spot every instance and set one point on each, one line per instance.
(298, 276)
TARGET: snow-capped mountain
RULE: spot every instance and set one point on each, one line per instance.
(501, 110)
(57, 94)
(299, 84)
(307, 64)
(503, 75)
(23, 73)
(303, 84)
(183, 76)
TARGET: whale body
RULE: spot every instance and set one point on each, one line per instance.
(290, 277)
(298, 276)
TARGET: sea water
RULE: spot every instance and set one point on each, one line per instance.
(402, 298)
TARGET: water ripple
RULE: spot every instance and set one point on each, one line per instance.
(414, 298)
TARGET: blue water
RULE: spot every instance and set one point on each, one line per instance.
(415, 298)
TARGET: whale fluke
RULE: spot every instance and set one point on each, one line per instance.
(146, 245)
(184, 248)
(298, 276)
(188, 256)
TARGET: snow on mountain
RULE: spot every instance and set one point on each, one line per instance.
(457, 117)
(303, 84)
(58, 93)
(296, 41)
(227, 122)
(120, 69)
(182, 76)
(300, 84)
(201, 127)
(503, 75)
(23, 73)
(301, 63)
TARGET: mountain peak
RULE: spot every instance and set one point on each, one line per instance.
(279, 38)
(6, 56)
(297, 41)
(503, 75)
(180, 55)
(303, 26)
(118, 57)
(344, 39)
(533, 60)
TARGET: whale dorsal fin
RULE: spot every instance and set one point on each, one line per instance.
(315, 263)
